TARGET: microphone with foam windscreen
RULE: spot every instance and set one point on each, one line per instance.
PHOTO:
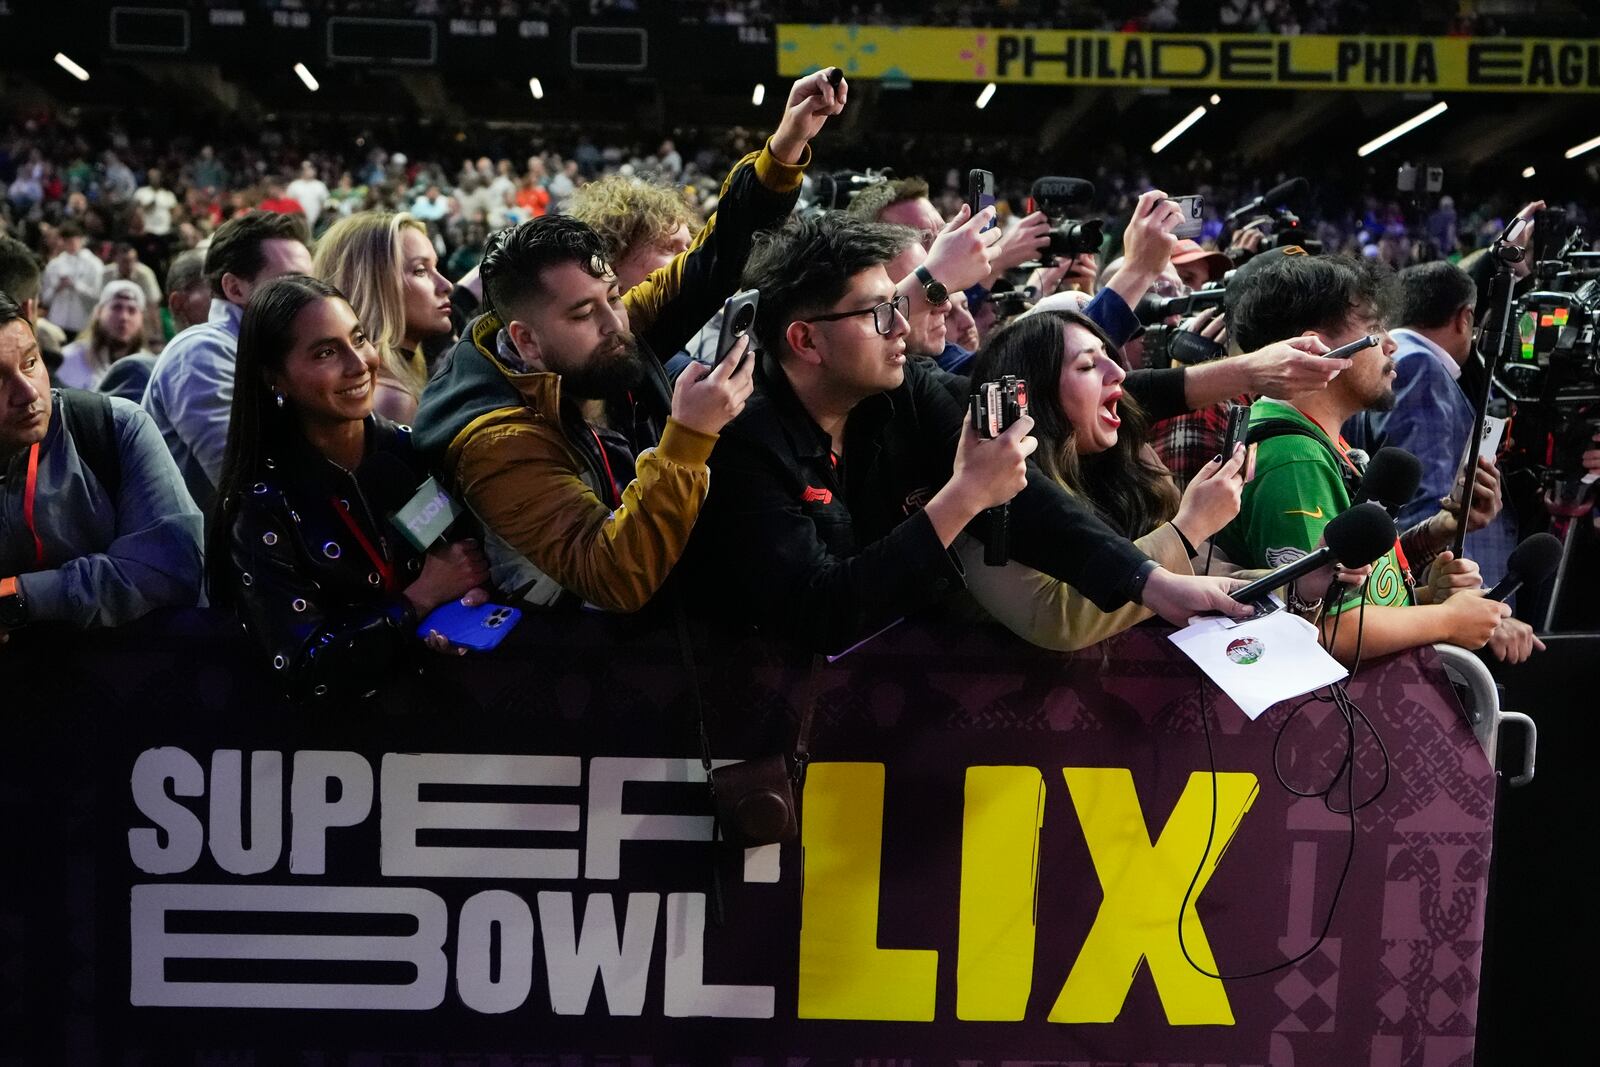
(1391, 478)
(1530, 563)
(1274, 197)
(1353, 539)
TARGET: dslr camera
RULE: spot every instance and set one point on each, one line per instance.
(1064, 201)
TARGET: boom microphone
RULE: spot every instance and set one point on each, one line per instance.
(1530, 563)
(1353, 539)
(1391, 479)
(1272, 198)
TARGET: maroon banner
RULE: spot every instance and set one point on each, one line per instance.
(510, 861)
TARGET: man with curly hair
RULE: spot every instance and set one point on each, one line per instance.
(643, 224)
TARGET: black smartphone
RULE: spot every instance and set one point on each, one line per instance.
(1238, 427)
(1346, 351)
(738, 316)
(1550, 232)
(980, 193)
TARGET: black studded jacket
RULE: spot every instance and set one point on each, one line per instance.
(320, 567)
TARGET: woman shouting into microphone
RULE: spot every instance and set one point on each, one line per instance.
(300, 546)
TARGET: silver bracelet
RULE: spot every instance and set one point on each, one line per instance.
(1302, 607)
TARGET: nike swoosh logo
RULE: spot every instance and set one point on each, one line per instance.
(1309, 514)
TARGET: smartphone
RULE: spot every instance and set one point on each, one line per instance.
(738, 317)
(1346, 351)
(1191, 206)
(1238, 427)
(980, 194)
(1550, 231)
(480, 628)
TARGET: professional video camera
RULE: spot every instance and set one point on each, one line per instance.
(1060, 199)
(833, 192)
(1276, 217)
(1551, 366)
(1165, 342)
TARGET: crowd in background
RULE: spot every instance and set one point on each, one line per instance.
(339, 314)
(1227, 16)
(139, 199)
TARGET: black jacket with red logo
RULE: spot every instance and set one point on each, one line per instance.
(827, 553)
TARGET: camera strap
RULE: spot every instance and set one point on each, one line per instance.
(800, 757)
(692, 676)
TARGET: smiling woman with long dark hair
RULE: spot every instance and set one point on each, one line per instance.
(299, 544)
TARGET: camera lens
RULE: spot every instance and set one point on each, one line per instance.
(742, 320)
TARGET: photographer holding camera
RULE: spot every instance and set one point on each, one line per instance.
(840, 489)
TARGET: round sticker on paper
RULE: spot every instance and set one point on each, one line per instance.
(1245, 650)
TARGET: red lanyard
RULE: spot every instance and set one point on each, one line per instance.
(385, 569)
(29, 486)
(616, 494)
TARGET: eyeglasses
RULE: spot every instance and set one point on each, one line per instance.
(882, 314)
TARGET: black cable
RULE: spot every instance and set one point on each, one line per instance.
(1349, 711)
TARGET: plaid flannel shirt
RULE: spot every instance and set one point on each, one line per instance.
(1187, 442)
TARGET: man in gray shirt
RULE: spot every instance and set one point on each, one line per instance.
(96, 528)
(190, 395)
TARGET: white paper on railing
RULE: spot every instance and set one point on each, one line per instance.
(1259, 661)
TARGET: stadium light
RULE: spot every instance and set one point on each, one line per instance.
(305, 77)
(1404, 128)
(1579, 149)
(70, 67)
(1177, 131)
(1528, 172)
(536, 87)
(986, 96)
(759, 95)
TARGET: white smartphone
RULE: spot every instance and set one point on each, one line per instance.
(1191, 206)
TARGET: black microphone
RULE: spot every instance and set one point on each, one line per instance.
(1353, 539)
(1391, 478)
(1530, 562)
(1278, 194)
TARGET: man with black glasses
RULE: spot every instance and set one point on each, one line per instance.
(837, 493)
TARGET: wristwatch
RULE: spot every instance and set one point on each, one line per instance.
(932, 289)
(1140, 577)
(13, 605)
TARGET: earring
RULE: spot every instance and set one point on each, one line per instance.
(279, 397)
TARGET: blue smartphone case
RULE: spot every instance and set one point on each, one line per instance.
(480, 628)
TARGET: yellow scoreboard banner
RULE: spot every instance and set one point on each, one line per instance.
(1212, 60)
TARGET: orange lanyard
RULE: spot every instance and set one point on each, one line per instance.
(30, 486)
(1342, 447)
